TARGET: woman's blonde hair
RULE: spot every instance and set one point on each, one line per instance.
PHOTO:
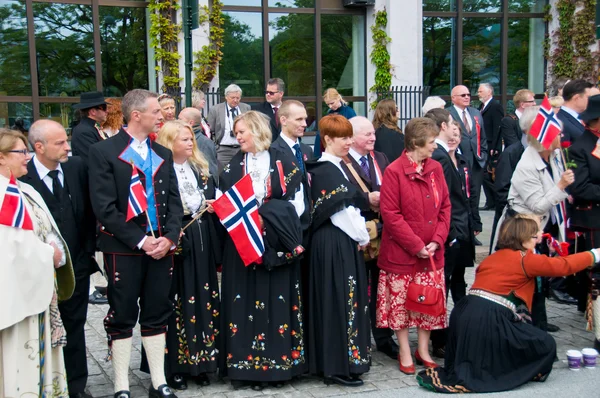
(164, 98)
(258, 124)
(9, 139)
(386, 115)
(169, 133)
(332, 94)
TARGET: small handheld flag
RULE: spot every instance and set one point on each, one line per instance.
(137, 196)
(238, 211)
(545, 127)
(13, 212)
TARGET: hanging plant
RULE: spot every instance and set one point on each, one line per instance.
(207, 60)
(163, 39)
(380, 57)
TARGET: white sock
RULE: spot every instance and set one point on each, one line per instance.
(155, 352)
(121, 354)
(596, 315)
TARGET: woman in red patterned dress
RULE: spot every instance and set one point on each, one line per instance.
(416, 211)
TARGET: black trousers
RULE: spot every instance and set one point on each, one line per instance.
(477, 178)
(489, 189)
(73, 313)
(382, 336)
(132, 278)
(497, 216)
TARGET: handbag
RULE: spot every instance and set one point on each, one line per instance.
(427, 300)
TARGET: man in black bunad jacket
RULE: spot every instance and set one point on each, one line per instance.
(62, 181)
(575, 94)
(138, 253)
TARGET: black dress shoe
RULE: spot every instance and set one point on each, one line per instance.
(202, 380)
(390, 349)
(488, 207)
(439, 353)
(80, 395)
(562, 297)
(122, 394)
(257, 386)
(597, 345)
(477, 242)
(97, 298)
(344, 381)
(163, 391)
(177, 382)
(552, 328)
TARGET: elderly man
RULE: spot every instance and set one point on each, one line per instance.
(193, 117)
(364, 168)
(473, 144)
(220, 120)
(575, 94)
(492, 113)
(62, 181)
(274, 97)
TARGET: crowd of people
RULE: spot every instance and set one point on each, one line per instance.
(366, 234)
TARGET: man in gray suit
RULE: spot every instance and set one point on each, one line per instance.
(220, 120)
(473, 145)
(193, 117)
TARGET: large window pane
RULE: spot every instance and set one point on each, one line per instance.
(482, 5)
(10, 112)
(252, 3)
(242, 61)
(292, 44)
(292, 3)
(438, 54)
(439, 5)
(343, 53)
(65, 48)
(14, 49)
(61, 113)
(124, 54)
(481, 52)
(526, 5)
(525, 55)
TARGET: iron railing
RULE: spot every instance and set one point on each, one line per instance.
(409, 100)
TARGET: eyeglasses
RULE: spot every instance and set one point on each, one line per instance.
(271, 92)
(21, 151)
(463, 95)
(102, 108)
(530, 102)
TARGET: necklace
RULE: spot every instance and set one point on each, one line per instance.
(255, 172)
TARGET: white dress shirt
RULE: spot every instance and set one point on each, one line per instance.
(460, 116)
(227, 139)
(43, 173)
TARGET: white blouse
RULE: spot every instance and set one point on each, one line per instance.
(348, 219)
(192, 195)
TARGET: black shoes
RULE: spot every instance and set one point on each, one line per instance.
(202, 380)
(97, 298)
(390, 348)
(488, 207)
(177, 382)
(562, 297)
(477, 242)
(344, 381)
(552, 328)
(163, 391)
(122, 394)
(597, 345)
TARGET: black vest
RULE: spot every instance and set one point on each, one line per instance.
(63, 214)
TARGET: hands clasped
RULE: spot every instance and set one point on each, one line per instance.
(156, 248)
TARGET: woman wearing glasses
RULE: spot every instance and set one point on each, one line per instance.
(36, 274)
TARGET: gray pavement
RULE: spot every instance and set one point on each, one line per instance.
(384, 378)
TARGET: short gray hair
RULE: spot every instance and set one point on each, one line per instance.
(432, 103)
(135, 100)
(197, 96)
(38, 129)
(488, 86)
(279, 82)
(360, 124)
(192, 114)
(232, 88)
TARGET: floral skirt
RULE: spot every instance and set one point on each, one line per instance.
(391, 296)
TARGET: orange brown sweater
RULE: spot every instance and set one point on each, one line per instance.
(501, 273)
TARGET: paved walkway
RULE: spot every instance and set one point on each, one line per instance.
(384, 378)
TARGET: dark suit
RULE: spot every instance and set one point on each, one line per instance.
(510, 131)
(492, 114)
(390, 142)
(76, 223)
(267, 109)
(572, 128)
(207, 147)
(382, 336)
(133, 275)
(83, 136)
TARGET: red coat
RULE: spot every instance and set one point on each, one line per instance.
(411, 216)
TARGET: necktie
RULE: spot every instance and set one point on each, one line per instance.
(275, 109)
(57, 188)
(365, 166)
(233, 113)
(466, 122)
(299, 156)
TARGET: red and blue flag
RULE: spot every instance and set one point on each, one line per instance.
(138, 202)
(13, 212)
(238, 211)
(546, 126)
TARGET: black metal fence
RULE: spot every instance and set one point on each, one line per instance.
(409, 100)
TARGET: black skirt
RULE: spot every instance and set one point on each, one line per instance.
(490, 350)
(339, 328)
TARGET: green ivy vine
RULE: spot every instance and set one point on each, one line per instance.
(584, 35)
(207, 60)
(380, 57)
(163, 38)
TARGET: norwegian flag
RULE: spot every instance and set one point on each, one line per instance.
(238, 212)
(138, 202)
(13, 212)
(545, 127)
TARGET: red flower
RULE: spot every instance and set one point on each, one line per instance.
(249, 357)
(265, 368)
(355, 354)
(295, 308)
(295, 354)
(323, 192)
(565, 144)
(284, 357)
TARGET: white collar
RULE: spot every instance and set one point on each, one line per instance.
(138, 142)
(487, 102)
(460, 111)
(43, 170)
(570, 112)
(288, 140)
(331, 158)
(442, 144)
(518, 113)
(357, 156)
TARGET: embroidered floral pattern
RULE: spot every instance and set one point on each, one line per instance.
(289, 177)
(259, 343)
(326, 195)
(353, 350)
(184, 356)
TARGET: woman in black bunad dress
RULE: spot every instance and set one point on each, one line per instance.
(193, 331)
(339, 329)
(262, 325)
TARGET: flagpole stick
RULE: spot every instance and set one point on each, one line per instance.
(150, 224)
(194, 219)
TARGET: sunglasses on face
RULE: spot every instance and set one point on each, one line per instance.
(271, 92)
(463, 95)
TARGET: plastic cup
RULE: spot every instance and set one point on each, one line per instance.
(574, 358)
(589, 357)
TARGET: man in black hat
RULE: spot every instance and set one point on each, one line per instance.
(89, 130)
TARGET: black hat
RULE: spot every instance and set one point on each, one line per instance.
(90, 100)
(593, 109)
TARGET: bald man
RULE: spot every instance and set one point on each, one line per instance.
(193, 117)
(365, 167)
(62, 181)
